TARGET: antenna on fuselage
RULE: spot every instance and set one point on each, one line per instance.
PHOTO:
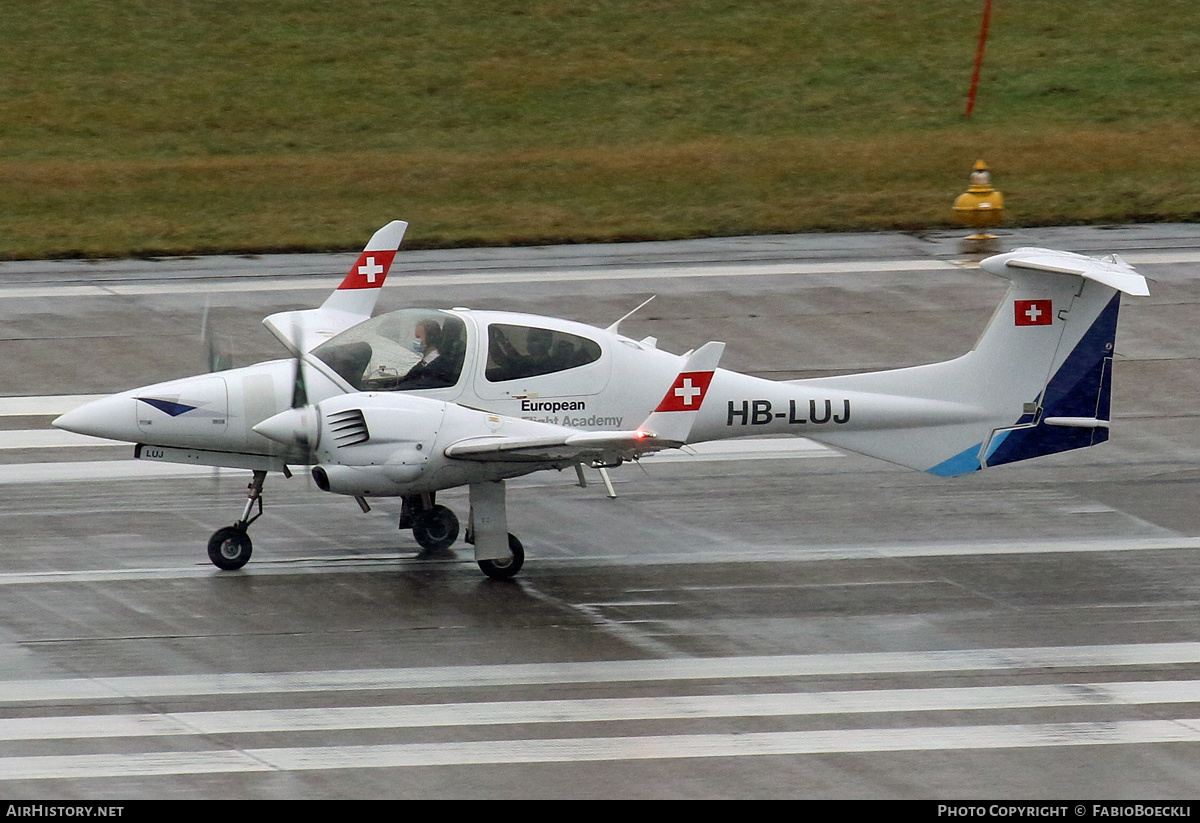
(613, 327)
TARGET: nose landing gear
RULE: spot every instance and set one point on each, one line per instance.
(229, 548)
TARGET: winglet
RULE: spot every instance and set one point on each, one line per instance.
(672, 421)
(359, 291)
(352, 302)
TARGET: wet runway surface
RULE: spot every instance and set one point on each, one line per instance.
(787, 621)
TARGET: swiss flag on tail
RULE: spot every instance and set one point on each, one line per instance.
(1033, 312)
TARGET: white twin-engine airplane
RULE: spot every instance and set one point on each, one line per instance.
(419, 400)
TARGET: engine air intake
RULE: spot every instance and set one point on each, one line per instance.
(348, 428)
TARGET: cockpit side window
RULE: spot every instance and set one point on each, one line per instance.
(399, 351)
(516, 352)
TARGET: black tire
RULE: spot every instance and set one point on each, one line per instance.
(435, 528)
(229, 548)
(505, 569)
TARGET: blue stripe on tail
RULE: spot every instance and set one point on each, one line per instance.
(1082, 387)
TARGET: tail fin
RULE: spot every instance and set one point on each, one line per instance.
(352, 301)
(1040, 376)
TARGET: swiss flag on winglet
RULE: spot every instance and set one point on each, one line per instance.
(1033, 312)
(369, 271)
(687, 392)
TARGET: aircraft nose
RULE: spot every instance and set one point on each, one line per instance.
(110, 417)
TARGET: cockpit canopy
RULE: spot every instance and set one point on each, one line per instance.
(426, 348)
(399, 351)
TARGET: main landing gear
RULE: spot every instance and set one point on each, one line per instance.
(229, 548)
(435, 528)
(505, 569)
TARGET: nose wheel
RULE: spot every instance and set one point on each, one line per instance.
(230, 547)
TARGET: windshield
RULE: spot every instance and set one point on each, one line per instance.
(399, 351)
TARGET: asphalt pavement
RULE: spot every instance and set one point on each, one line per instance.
(778, 621)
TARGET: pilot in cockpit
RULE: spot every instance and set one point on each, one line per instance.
(433, 369)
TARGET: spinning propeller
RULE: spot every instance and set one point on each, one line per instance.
(297, 426)
(218, 354)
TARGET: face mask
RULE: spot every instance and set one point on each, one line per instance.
(417, 345)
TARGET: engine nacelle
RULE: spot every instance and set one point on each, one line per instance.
(386, 444)
(359, 481)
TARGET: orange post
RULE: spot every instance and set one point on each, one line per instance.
(983, 33)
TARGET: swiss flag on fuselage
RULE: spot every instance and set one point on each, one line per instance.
(1033, 312)
(369, 271)
(687, 392)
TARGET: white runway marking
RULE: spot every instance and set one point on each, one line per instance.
(44, 404)
(240, 757)
(600, 710)
(507, 276)
(98, 471)
(783, 448)
(50, 439)
(789, 448)
(210, 281)
(767, 448)
(619, 671)
(577, 750)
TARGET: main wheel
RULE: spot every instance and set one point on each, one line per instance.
(505, 569)
(229, 548)
(435, 528)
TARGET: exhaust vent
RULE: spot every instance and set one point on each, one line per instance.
(348, 428)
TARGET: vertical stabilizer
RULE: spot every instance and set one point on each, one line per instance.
(1039, 380)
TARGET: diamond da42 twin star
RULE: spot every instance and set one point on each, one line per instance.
(414, 401)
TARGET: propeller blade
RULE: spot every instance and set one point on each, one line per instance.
(216, 358)
(296, 427)
(299, 385)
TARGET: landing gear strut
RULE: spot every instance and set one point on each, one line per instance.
(230, 547)
(498, 553)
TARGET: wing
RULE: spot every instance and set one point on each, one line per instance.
(667, 427)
